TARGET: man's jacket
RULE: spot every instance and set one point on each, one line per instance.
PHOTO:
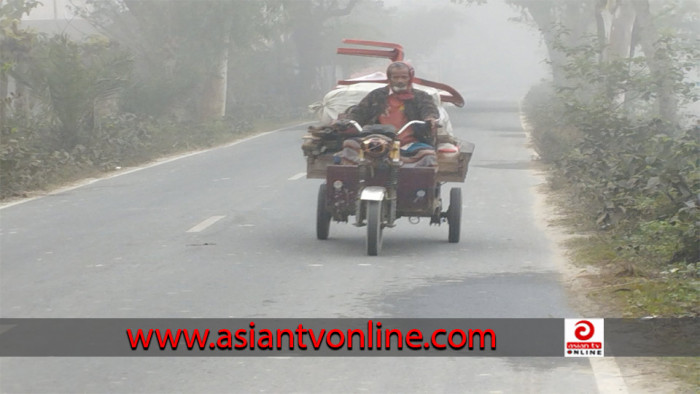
(421, 106)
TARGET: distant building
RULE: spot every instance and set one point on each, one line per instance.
(55, 17)
(51, 18)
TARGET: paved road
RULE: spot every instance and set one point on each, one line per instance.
(231, 233)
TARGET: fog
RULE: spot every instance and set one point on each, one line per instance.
(477, 49)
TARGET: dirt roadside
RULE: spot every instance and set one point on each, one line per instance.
(640, 374)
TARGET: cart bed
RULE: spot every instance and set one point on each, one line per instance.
(451, 167)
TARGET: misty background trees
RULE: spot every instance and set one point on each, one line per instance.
(610, 114)
(201, 60)
(144, 77)
(158, 76)
(618, 123)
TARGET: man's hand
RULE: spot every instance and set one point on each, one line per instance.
(433, 123)
(341, 123)
(345, 126)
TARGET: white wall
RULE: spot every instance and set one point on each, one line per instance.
(52, 9)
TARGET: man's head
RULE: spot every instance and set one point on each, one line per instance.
(400, 76)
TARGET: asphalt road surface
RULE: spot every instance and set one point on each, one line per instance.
(231, 233)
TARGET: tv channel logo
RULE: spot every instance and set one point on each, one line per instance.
(584, 337)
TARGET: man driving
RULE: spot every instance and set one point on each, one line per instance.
(397, 104)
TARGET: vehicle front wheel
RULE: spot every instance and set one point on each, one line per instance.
(454, 214)
(374, 227)
(323, 217)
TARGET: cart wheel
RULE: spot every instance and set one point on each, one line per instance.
(374, 227)
(454, 214)
(323, 218)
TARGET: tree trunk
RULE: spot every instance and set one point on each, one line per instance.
(601, 30)
(621, 31)
(541, 13)
(213, 99)
(307, 44)
(307, 36)
(3, 99)
(619, 44)
(658, 61)
(576, 17)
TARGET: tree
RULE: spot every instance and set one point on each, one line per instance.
(15, 44)
(73, 79)
(620, 27)
(182, 60)
(308, 30)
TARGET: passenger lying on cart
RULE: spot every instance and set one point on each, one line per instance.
(397, 104)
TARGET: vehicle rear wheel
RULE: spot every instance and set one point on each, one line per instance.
(323, 217)
(454, 214)
(374, 227)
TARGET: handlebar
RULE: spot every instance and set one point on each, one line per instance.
(407, 125)
(354, 123)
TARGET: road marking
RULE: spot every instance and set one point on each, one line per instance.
(156, 162)
(297, 176)
(201, 226)
(607, 375)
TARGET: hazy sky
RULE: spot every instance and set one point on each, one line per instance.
(488, 56)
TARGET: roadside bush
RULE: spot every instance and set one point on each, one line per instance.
(28, 164)
(68, 121)
(552, 138)
(75, 83)
(638, 174)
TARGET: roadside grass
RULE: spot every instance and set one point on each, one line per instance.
(633, 287)
(629, 283)
(29, 171)
(686, 369)
(622, 285)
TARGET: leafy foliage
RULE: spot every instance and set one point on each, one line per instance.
(28, 161)
(72, 80)
(142, 88)
(15, 43)
(603, 136)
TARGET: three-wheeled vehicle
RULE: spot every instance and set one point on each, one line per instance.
(380, 184)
